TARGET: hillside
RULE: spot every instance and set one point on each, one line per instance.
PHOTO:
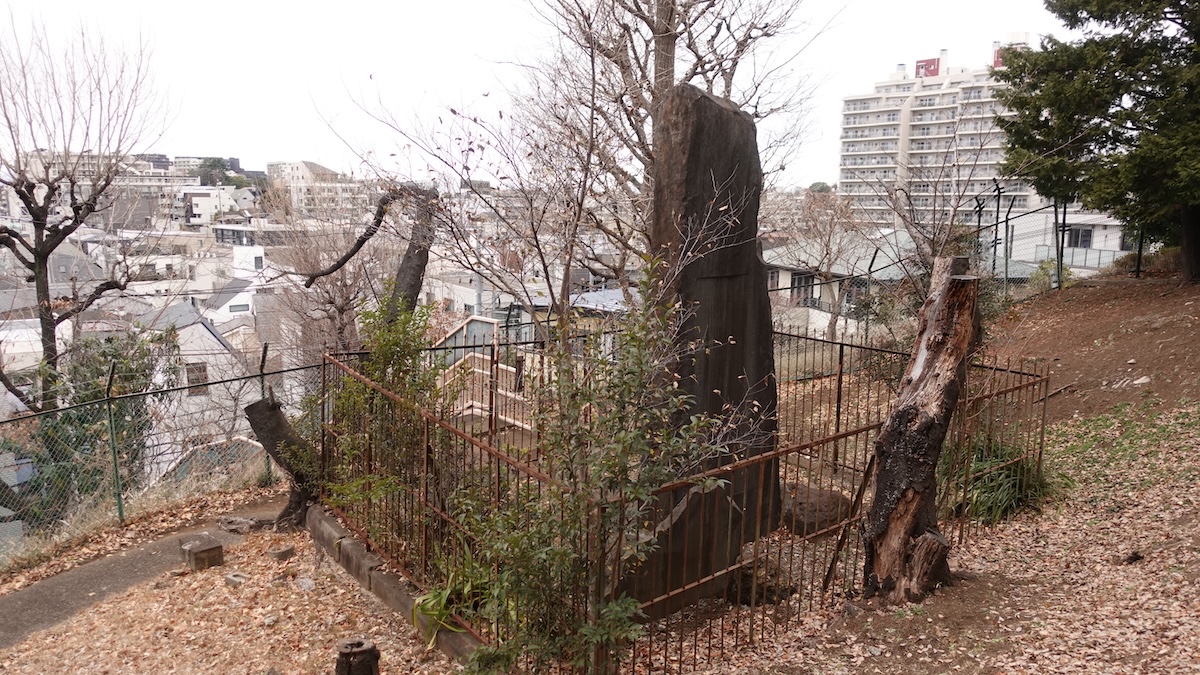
(1102, 340)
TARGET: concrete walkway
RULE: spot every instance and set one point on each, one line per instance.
(58, 598)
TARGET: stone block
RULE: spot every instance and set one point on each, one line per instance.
(358, 560)
(325, 530)
(808, 510)
(201, 551)
(283, 553)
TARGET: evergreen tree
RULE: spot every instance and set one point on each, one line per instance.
(1113, 118)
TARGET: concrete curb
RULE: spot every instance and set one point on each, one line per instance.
(354, 556)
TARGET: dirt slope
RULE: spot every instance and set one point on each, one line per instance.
(1103, 339)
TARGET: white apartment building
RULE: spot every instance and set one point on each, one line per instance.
(315, 191)
(924, 147)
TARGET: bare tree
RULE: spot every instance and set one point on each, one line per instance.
(72, 117)
(823, 235)
(616, 59)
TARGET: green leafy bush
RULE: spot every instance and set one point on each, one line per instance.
(1002, 482)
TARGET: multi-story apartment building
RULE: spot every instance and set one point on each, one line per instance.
(315, 191)
(141, 191)
(924, 148)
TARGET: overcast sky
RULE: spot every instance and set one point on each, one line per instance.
(266, 81)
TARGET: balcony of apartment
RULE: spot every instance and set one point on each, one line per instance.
(889, 132)
(861, 105)
(931, 131)
(926, 103)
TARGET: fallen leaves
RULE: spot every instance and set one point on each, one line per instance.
(64, 555)
(286, 614)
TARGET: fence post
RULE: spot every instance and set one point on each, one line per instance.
(112, 443)
(262, 393)
(837, 414)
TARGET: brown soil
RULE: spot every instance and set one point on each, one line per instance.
(1101, 338)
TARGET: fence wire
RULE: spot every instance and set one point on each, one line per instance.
(75, 469)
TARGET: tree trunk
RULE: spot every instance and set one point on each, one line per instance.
(407, 290)
(276, 434)
(905, 554)
(48, 329)
(1189, 263)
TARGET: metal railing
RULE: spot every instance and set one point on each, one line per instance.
(412, 469)
(79, 468)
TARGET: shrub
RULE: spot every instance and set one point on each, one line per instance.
(1002, 483)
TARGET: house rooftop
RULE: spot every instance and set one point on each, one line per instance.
(225, 294)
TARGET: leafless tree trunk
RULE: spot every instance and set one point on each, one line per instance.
(280, 440)
(905, 553)
(72, 116)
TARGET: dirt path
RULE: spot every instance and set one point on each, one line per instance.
(59, 597)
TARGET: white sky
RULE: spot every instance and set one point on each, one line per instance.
(258, 80)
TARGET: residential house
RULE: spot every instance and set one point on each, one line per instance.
(210, 407)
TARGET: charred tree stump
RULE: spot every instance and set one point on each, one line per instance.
(905, 553)
(275, 432)
(357, 657)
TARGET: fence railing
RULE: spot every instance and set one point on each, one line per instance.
(77, 468)
(411, 471)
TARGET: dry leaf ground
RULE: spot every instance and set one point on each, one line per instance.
(1105, 581)
(289, 617)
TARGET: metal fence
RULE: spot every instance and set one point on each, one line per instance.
(410, 468)
(78, 468)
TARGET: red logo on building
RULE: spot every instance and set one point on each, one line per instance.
(928, 67)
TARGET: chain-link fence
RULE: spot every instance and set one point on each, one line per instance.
(71, 470)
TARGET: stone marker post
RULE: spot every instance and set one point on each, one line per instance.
(705, 228)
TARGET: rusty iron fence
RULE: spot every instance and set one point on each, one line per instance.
(409, 469)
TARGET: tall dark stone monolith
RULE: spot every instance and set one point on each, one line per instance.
(706, 196)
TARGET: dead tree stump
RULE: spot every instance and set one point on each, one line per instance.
(357, 657)
(905, 553)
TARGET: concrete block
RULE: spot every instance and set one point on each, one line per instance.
(325, 530)
(389, 588)
(359, 561)
(201, 551)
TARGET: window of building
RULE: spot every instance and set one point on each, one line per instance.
(1080, 237)
(239, 308)
(258, 262)
(801, 287)
(772, 279)
(197, 378)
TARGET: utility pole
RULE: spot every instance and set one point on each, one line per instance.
(999, 190)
